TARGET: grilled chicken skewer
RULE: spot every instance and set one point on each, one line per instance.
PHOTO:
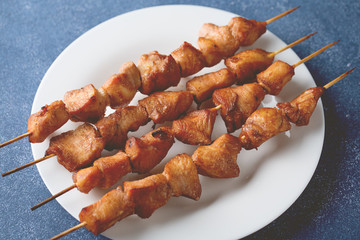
(116, 136)
(89, 103)
(241, 101)
(144, 196)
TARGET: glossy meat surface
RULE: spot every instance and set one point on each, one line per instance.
(195, 127)
(218, 160)
(300, 109)
(237, 103)
(202, 87)
(50, 118)
(158, 72)
(77, 148)
(146, 152)
(122, 87)
(246, 31)
(262, 125)
(166, 106)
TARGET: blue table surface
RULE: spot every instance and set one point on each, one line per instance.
(33, 33)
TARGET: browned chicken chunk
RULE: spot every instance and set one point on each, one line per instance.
(86, 104)
(87, 178)
(202, 87)
(182, 177)
(218, 160)
(77, 148)
(50, 118)
(122, 87)
(158, 72)
(195, 127)
(146, 152)
(189, 59)
(222, 37)
(103, 214)
(300, 109)
(148, 194)
(246, 31)
(237, 103)
(210, 51)
(114, 128)
(166, 106)
(246, 64)
(262, 125)
(274, 78)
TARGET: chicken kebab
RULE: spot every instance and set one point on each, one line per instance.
(111, 131)
(154, 72)
(180, 175)
(195, 127)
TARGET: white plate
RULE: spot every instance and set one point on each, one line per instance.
(271, 179)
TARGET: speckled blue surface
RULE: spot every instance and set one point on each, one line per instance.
(33, 34)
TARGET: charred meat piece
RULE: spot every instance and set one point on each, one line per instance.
(166, 106)
(195, 127)
(146, 152)
(148, 194)
(246, 64)
(114, 128)
(182, 177)
(222, 37)
(189, 59)
(158, 72)
(202, 87)
(112, 207)
(50, 118)
(218, 160)
(274, 78)
(262, 125)
(122, 87)
(246, 31)
(77, 148)
(86, 104)
(237, 103)
(300, 109)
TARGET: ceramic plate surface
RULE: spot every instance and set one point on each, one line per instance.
(271, 178)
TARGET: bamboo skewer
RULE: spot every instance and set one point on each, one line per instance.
(281, 15)
(53, 197)
(70, 230)
(28, 164)
(267, 22)
(315, 54)
(338, 78)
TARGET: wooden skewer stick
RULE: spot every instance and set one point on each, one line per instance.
(291, 45)
(314, 54)
(70, 230)
(53, 197)
(28, 165)
(338, 78)
(281, 15)
(15, 139)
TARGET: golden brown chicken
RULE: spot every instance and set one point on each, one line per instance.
(246, 64)
(158, 72)
(218, 160)
(86, 104)
(237, 103)
(77, 148)
(50, 118)
(262, 125)
(146, 152)
(275, 77)
(189, 59)
(122, 87)
(166, 106)
(202, 87)
(246, 31)
(195, 127)
(300, 109)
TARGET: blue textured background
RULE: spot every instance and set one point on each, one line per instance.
(33, 34)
